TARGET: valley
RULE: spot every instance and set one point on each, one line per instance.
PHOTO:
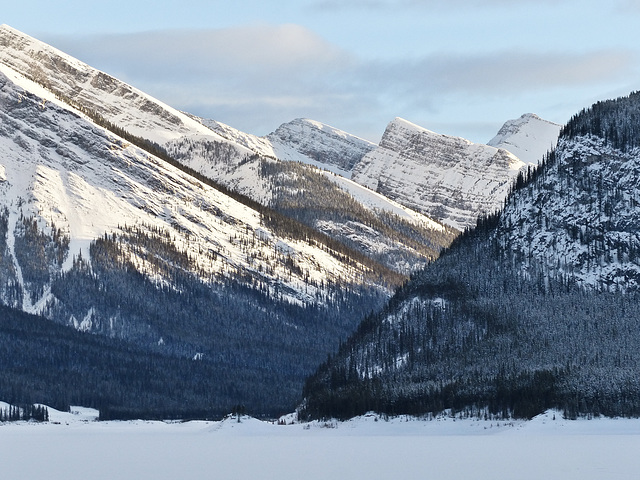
(170, 266)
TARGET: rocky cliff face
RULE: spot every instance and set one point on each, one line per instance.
(119, 103)
(445, 177)
(302, 140)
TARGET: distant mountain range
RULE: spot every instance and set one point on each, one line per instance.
(180, 238)
(446, 177)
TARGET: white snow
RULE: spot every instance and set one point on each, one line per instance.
(528, 137)
(375, 201)
(75, 448)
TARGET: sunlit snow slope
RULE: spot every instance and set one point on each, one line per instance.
(529, 137)
(66, 172)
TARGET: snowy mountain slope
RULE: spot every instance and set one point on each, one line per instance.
(66, 172)
(444, 177)
(303, 140)
(119, 103)
(375, 201)
(259, 145)
(319, 144)
(590, 233)
(529, 138)
(394, 236)
(313, 143)
(219, 152)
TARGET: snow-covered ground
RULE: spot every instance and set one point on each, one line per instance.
(74, 447)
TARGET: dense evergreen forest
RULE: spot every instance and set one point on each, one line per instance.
(43, 362)
(16, 413)
(253, 346)
(616, 121)
(537, 307)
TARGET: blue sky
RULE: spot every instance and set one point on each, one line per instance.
(459, 67)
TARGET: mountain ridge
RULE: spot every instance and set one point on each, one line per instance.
(446, 177)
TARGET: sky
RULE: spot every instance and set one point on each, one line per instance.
(457, 67)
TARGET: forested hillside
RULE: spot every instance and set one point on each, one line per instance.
(101, 231)
(537, 307)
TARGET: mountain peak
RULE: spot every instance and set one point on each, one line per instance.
(311, 141)
(528, 137)
(410, 127)
(445, 177)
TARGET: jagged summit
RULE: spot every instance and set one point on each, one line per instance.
(445, 177)
(303, 140)
(528, 137)
(322, 144)
(399, 122)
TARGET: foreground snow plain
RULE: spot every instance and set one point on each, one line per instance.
(74, 446)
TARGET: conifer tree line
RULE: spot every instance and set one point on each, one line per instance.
(252, 346)
(15, 413)
(616, 121)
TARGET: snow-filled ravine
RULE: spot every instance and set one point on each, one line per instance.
(73, 446)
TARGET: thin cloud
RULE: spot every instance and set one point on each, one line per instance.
(256, 77)
(630, 6)
(509, 71)
(203, 52)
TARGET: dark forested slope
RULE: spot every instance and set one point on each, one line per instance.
(538, 307)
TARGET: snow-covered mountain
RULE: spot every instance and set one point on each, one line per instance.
(235, 159)
(445, 177)
(119, 103)
(294, 175)
(334, 151)
(450, 178)
(68, 174)
(100, 230)
(535, 308)
(324, 146)
(579, 219)
(529, 137)
(303, 140)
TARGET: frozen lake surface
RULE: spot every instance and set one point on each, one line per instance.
(75, 447)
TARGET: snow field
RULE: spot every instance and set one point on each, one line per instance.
(365, 448)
